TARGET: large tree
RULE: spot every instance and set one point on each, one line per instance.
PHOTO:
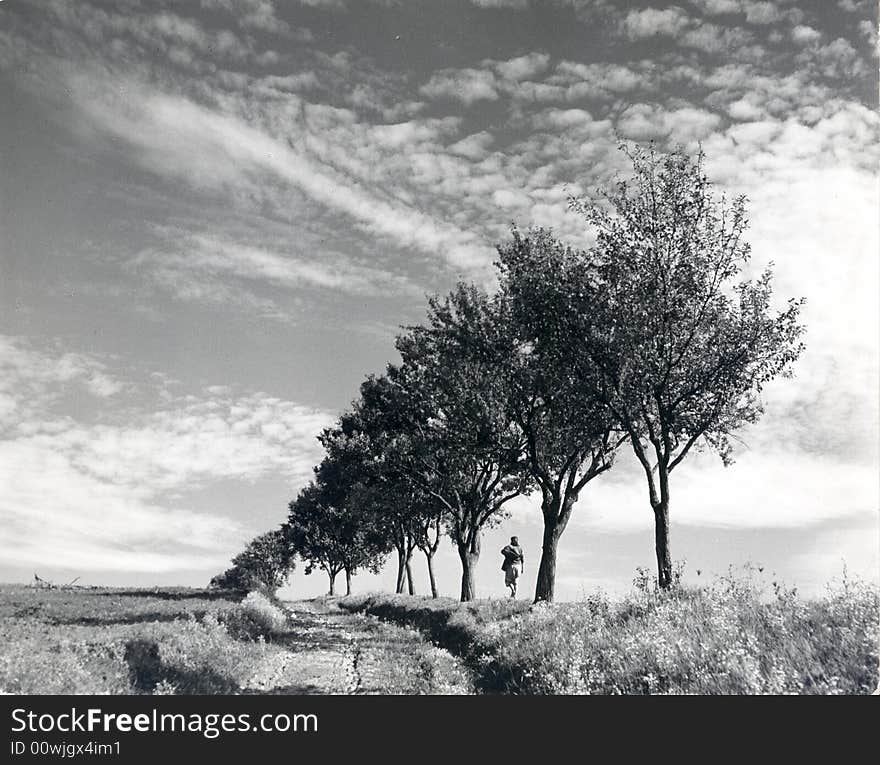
(570, 433)
(682, 343)
(440, 420)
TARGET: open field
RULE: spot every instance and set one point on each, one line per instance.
(738, 635)
(186, 641)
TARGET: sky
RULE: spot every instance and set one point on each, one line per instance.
(216, 214)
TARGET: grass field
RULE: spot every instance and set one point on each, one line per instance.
(128, 641)
(185, 641)
(737, 635)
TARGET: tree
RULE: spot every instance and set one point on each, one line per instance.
(233, 579)
(570, 433)
(392, 505)
(333, 537)
(410, 518)
(429, 531)
(266, 562)
(360, 534)
(682, 348)
(440, 420)
(386, 500)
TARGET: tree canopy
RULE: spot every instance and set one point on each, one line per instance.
(266, 562)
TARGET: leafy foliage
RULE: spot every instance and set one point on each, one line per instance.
(331, 531)
(266, 562)
(570, 434)
(682, 344)
(438, 426)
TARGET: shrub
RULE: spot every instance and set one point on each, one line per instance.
(255, 617)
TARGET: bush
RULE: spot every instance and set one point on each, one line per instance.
(255, 617)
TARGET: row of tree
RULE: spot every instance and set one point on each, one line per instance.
(651, 340)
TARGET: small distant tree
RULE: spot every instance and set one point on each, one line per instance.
(682, 348)
(360, 533)
(265, 563)
(333, 535)
(234, 579)
(397, 515)
(408, 517)
(310, 529)
(571, 435)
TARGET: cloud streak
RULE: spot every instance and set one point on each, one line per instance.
(118, 485)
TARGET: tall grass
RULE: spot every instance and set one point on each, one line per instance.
(735, 635)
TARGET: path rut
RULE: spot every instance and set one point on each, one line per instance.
(328, 651)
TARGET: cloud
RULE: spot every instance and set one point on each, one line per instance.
(29, 379)
(642, 122)
(522, 67)
(757, 12)
(556, 119)
(116, 483)
(214, 262)
(761, 12)
(93, 525)
(745, 109)
(838, 60)
(714, 39)
(596, 78)
(182, 41)
(474, 146)
(768, 490)
(250, 14)
(175, 137)
(649, 22)
(465, 85)
(516, 4)
(715, 7)
(804, 34)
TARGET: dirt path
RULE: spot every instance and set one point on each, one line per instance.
(329, 651)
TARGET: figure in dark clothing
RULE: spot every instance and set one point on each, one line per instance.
(513, 564)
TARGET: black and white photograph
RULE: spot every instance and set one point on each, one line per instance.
(437, 348)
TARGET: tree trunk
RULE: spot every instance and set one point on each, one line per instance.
(546, 585)
(347, 582)
(430, 558)
(401, 571)
(661, 544)
(556, 510)
(469, 552)
(332, 575)
(409, 577)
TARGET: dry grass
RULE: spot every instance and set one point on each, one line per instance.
(396, 660)
(736, 635)
(57, 641)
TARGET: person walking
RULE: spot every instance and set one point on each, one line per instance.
(514, 562)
